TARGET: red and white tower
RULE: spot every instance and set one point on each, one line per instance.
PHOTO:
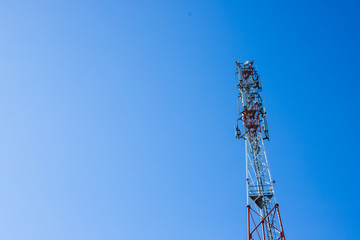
(263, 215)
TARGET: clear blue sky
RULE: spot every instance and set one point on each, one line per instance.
(117, 117)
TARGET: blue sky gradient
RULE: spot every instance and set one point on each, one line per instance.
(117, 117)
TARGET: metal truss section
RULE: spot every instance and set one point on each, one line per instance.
(264, 220)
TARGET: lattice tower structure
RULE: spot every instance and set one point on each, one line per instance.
(263, 215)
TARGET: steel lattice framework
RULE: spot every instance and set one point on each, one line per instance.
(264, 221)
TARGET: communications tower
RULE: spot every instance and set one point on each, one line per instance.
(263, 215)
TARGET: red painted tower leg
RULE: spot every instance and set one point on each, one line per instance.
(282, 234)
(248, 213)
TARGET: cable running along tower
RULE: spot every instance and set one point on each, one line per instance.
(263, 216)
